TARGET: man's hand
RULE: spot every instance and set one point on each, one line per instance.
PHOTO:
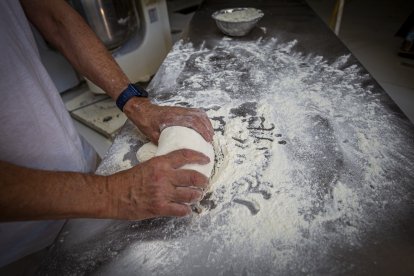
(157, 187)
(151, 119)
(65, 29)
(151, 189)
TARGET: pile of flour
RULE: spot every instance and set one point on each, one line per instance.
(239, 15)
(306, 157)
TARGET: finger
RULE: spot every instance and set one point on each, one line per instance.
(174, 209)
(206, 121)
(202, 124)
(204, 127)
(196, 119)
(179, 158)
(185, 178)
(186, 195)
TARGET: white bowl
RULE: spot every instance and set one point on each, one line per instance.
(237, 21)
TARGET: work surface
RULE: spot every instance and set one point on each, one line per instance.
(314, 171)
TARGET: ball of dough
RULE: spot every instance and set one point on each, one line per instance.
(178, 137)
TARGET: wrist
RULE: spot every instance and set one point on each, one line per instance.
(91, 202)
(136, 105)
(123, 202)
(130, 92)
(99, 200)
(106, 197)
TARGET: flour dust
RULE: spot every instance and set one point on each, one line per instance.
(307, 155)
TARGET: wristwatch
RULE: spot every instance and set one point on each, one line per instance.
(129, 92)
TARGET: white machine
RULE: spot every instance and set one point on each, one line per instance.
(139, 50)
(142, 54)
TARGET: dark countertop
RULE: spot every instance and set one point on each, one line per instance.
(314, 171)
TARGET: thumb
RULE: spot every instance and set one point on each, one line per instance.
(182, 157)
(154, 137)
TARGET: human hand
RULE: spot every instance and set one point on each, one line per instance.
(157, 187)
(151, 119)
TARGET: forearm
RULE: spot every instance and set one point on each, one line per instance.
(28, 194)
(65, 29)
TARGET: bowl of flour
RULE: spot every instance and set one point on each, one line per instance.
(237, 21)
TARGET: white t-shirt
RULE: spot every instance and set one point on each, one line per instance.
(36, 129)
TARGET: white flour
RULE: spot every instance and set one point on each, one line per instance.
(306, 156)
(239, 15)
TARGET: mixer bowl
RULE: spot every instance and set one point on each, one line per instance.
(237, 21)
(113, 21)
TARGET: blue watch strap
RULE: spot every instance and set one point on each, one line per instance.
(128, 93)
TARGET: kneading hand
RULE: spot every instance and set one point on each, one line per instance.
(157, 187)
(151, 119)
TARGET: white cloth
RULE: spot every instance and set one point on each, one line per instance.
(36, 129)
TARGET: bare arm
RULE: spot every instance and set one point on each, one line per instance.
(153, 188)
(35, 194)
(65, 28)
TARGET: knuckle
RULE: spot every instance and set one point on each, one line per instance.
(186, 153)
(191, 196)
(159, 165)
(193, 179)
(184, 211)
(158, 207)
(196, 195)
(199, 179)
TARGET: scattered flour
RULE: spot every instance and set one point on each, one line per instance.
(306, 153)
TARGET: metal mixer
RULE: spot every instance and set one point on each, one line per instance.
(137, 32)
(112, 21)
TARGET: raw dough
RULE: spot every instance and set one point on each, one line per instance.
(178, 137)
(146, 152)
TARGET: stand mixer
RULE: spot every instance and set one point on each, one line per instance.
(137, 32)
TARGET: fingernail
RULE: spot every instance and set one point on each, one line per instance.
(200, 197)
(197, 199)
(187, 213)
(198, 194)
